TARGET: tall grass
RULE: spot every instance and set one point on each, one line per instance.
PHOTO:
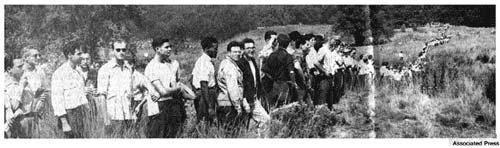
(448, 99)
(300, 121)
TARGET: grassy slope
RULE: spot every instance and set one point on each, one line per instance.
(458, 108)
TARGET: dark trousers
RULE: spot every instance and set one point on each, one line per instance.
(279, 95)
(338, 87)
(229, 120)
(325, 91)
(202, 105)
(77, 118)
(169, 122)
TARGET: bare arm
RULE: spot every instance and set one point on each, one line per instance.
(163, 91)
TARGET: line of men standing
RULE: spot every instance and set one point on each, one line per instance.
(292, 67)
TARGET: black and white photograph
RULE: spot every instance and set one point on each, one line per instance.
(249, 71)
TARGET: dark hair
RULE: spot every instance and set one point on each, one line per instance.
(234, 44)
(8, 62)
(385, 63)
(268, 34)
(294, 35)
(300, 41)
(318, 45)
(117, 41)
(361, 56)
(319, 38)
(207, 42)
(308, 36)
(283, 41)
(70, 47)
(157, 42)
(248, 40)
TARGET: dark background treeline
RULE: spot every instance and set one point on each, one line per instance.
(49, 27)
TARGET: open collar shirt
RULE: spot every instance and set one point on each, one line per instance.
(68, 89)
(116, 83)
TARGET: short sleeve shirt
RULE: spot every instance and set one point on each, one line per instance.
(165, 72)
(203, 70)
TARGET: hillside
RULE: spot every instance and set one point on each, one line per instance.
(449, 98)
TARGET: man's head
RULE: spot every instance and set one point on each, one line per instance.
(310, 40)
(283, 41)
(249, 47)
(301, 43)
(210, 46)
(270, 36)
(73, 51)
(119, 49)
(32, 56)
(86, 60)
(130, 58)
(234, 50)
(294, 35)
(162, 47)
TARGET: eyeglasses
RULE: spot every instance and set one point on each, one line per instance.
(121, 49)
(250, 48)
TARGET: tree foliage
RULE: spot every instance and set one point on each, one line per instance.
(48, 27)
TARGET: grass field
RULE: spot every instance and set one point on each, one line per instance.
(454, 107)
(449, 98)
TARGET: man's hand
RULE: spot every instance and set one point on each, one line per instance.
(211, 112)
(90, 90)
(137, 109)
(293, 84)
(65, 125)
(246, 106)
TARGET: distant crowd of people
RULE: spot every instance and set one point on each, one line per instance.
(407, 72)
(246, 87)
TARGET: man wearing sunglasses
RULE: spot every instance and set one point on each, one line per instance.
(111, 79)
(36, 88)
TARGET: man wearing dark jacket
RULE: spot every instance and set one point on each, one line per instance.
(252, 89)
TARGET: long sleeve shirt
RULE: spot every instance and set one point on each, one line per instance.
(230, 82)
(68, 89)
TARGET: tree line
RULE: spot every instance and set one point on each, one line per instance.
(48, 27)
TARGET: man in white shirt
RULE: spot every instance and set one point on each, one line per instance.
(112, 81)
(163, 73)
(90, 76)
(35, 92)
(69, 99)
(13, 103)
(204, 80)
(327, 64)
